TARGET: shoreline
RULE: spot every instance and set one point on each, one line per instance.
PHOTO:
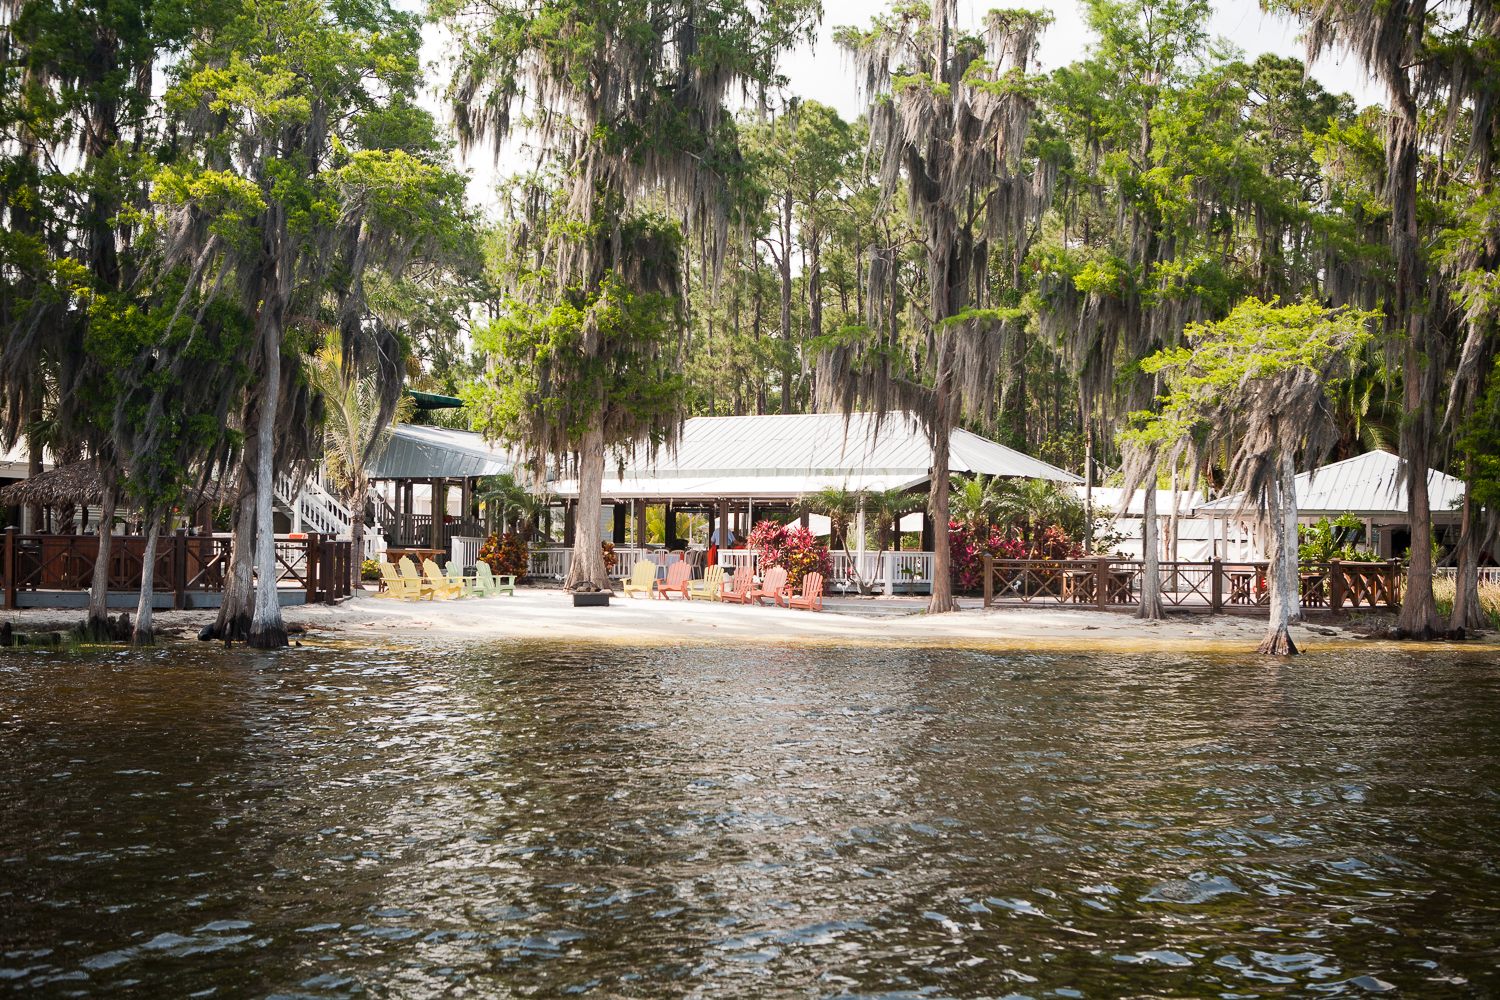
(547, 613)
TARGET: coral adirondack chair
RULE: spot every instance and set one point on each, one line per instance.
(441, 585)
(414, 579)
(642, 578)
(812, 594)
(707, 589)
(771, 585)
(738, 589)
(676, 582)
(396, 585)
(492, 584)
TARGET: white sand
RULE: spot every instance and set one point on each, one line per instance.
(548, 613)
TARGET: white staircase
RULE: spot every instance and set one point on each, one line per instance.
(315, 509)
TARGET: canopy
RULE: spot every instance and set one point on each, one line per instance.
(416, 451)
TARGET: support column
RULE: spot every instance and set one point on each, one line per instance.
(568, 525)
(669, 520)
(619, 524)
(928, 536)
(640, 522)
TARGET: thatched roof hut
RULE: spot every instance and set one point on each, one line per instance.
(78, 484)
(68, 484)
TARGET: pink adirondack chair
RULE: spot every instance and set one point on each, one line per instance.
(771, 586)
(676, 581)
(812, 594)
(738, 589)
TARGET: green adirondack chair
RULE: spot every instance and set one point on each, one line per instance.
(487, 583)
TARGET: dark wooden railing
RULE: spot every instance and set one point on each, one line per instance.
(1216, 585)
(184, 564)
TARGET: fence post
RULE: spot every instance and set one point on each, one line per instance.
(10, 567)
(890, 573)
(989, 579)
(1393, 573)
(310, 567)
(1101, 582)
(179, 568)
(1336, 585)
(1216, 600)
(328, 569)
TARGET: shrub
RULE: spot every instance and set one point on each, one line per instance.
(795, 549)
(369, 570)
(610, 559)
(507, 555)
(968, 551)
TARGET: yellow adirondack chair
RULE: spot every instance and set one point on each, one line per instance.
(414, 579)
(441, 585)
(642, 578)
(396, 585)
(454, 574)
(707, 589)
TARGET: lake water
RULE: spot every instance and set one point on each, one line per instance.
(498, 819)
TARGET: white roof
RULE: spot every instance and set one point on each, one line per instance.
(783, 456)
(419, 451)
(1364, 485)
(1107, 501)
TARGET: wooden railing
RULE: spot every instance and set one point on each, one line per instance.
(184, 564)
(1216, 585)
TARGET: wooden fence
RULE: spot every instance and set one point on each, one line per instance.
(317, 565)
(1216, 586)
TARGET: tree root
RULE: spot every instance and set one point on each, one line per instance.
(1278, 643)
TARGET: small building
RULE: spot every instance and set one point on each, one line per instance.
(1365, 486)
(426, 479)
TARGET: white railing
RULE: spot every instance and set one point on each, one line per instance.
(556, 562)
(465, 549)
(315, 509)
(1487, 574)
(882, 571)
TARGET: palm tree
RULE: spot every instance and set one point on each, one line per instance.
(888, 507)
(840, 505)
(975, 500)
(352, 433)
(510, 500)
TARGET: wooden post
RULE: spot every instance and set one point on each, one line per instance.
(179, 568)
(1101, 583)
(10, 567)
(310, 566)
(1336, 585)
(619, 524)
(568, 524)
(1216, 600)
(1393, 573)
(989, 579)
(328, 568)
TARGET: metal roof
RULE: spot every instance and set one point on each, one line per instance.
(779, 456)
(1107, 501)
(1364, 485)
(416, 451)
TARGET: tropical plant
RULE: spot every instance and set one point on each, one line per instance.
(510, 504)
(793, 548)
(507, 554)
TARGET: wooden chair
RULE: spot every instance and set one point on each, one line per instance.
(812, 594)
(642, 578)
(455, 575)
(738, 589)
(414, 579)
(441, 585)
(676, 582)
(396, 585)
(492, 584)
(707, 589)
(772, 585)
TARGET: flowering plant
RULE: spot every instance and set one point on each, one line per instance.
(793, 548)
(506, 555)
(968, 550)
(610, 559)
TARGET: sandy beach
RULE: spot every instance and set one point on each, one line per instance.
(538, 612)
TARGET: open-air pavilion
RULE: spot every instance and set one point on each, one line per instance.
(737, 470)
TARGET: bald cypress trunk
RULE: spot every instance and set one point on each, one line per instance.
(142, 636)
(266, 628)
(98, 620)
(588, 556)
(1278, 640)
(1151, 606)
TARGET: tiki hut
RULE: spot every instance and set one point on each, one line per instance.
(77, 485)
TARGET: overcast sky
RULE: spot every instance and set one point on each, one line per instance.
(820, 72)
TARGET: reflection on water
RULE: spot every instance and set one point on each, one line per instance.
(512, 819)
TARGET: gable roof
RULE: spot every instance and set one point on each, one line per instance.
(417, 451)
(782, 456)
(1365, 485)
